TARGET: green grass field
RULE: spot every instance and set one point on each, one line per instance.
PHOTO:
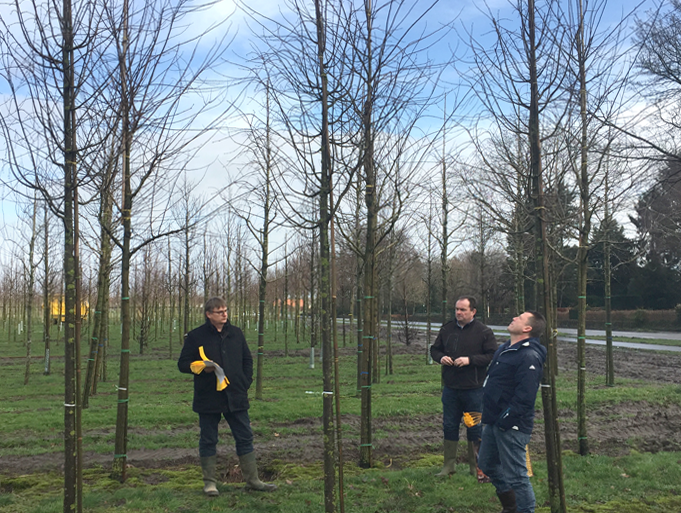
(161, 418)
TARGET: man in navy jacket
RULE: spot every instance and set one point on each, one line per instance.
(509, 395)
(218, 341)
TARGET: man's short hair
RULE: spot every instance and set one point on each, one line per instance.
(471, 301)
(538, 323)
(213, 303)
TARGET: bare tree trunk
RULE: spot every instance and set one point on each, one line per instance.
(79, 319)
(264, 248)
(70, 270)
(102, 289)
(376, 349)
(119, 465)
(429, 285)
(187, 274)
(101, 365)
(46, 296)
(444, 243)
(170, 289)
(30, 293)
(325, 274)
(391, 285)
(313, 304)
(358, 304)
(583, 249)
(369, 316)
(336, 365)
(607, 278)
(286, 300)
(548, 386)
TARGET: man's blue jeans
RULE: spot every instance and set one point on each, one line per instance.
(454, 404)
(502, 458)
(239, 423)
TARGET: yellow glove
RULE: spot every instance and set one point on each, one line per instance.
(472, 419)
(198, 366)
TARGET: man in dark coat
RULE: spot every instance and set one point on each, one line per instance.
(464, 348)
(218, 356)
(510, 392)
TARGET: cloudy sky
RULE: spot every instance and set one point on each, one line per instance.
(466, 18)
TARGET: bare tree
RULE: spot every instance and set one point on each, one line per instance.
(155, 80)
(50, 58)
(519, 81)
(261, 144)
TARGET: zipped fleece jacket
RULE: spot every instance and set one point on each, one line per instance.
(474, 340)
(230, 351)
(511, 386)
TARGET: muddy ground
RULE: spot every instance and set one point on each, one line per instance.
(613, 430)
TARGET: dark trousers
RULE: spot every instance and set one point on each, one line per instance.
(239, 423)
(454, 404)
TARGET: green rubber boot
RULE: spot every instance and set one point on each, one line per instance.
(249, 469)
(208, 469)
(450, 458)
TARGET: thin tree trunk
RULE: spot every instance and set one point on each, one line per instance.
(389, 327)
(325, 275)
(70, 270)
(46, 296)
(429, 285)
(30, 292)
(358, 291)
(79, 319)
(369, 317)
(607, 277)
(119, 465)
(102, 289)
(552, 433)
(264, 247)
(313, 304)
(583, 249)
(444, 244)
(336, 364)
(286, 300)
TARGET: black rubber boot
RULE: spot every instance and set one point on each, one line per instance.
(507, 500)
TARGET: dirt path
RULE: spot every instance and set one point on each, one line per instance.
(613, 430)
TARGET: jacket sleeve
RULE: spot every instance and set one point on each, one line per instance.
(189, 354)
(527, 379)
(489, 347)
(437, 350)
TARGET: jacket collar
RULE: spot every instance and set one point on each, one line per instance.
(215, 330)
(467, 324)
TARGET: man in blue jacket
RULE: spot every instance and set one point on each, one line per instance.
(509, 394)
(217, 341)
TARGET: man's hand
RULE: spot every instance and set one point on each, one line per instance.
(446, 360)
(462, 361)
(209, 369)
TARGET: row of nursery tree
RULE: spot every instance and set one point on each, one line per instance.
(348, 158)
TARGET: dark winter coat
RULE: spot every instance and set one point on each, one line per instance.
(511, 386)
(230, 351)
(474, 340)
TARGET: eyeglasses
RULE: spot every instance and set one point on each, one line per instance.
(219, 312)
